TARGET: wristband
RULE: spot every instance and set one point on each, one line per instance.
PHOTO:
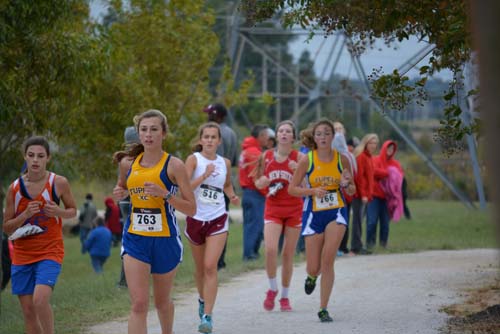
(167, 196)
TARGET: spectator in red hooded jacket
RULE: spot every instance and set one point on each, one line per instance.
(378, 211)
(364, 188)
(252, 200)
(112, 220)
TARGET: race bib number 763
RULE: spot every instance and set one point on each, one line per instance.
(146, 220)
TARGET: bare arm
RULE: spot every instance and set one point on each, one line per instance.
(191, 164)
(228, 185)
(11, 222)
(347, 181)
(293, 164)
(63, 189)
(185, 202)
(261, 181)
(120, 191)
(294, 188)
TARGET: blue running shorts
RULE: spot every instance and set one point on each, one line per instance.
(26, 277)
(316, 222)
(163, 254)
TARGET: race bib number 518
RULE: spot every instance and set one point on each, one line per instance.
(146, 220)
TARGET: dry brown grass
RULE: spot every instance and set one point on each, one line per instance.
(479, 314)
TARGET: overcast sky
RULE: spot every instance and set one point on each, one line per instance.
(320, 49)
(389, 58)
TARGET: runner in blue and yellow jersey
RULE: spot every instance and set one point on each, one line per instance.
(323, 220)
(151, 239)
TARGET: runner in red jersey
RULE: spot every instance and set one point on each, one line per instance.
(33, 220)
(283, 212)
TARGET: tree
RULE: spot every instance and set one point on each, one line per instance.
(158, 55)
(486, 25)
(80, 83)
(444, 24)
(46, 57)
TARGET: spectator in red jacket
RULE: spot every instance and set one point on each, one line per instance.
(112, 220)
(252, 200)
(364, 188)
(377, 210)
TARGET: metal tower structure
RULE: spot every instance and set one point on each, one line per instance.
(307, 97)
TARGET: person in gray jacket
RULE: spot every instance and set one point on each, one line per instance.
(88, 213)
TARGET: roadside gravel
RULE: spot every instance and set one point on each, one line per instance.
(389, 294)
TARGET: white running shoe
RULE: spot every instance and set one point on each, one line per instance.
(25, 231)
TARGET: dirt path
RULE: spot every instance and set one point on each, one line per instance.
(400, 293)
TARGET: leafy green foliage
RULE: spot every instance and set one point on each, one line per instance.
(227, 92)
(46, 61)
(395, 92)
(157, 56)
(80, 83)
(443, 23)
(453, 128)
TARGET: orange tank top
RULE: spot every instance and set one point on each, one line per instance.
(47, 245)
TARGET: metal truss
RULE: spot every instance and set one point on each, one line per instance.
(241, 38)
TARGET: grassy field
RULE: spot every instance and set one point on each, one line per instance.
(82, 298)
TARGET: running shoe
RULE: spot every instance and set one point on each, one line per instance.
(285, 305)
(206, 324)
(269, 301)
(324, 316)
(201, 308)
(310, 284)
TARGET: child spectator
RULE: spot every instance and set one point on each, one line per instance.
(98, 244)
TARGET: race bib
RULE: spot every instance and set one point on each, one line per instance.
(146, 220)
(210, 195)
(329, 201)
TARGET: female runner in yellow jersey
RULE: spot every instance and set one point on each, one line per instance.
(323, 221)
(151, 240)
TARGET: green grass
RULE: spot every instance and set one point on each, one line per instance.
(82, 298)
(441, 225)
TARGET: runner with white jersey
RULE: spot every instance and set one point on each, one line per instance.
(207, 230)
